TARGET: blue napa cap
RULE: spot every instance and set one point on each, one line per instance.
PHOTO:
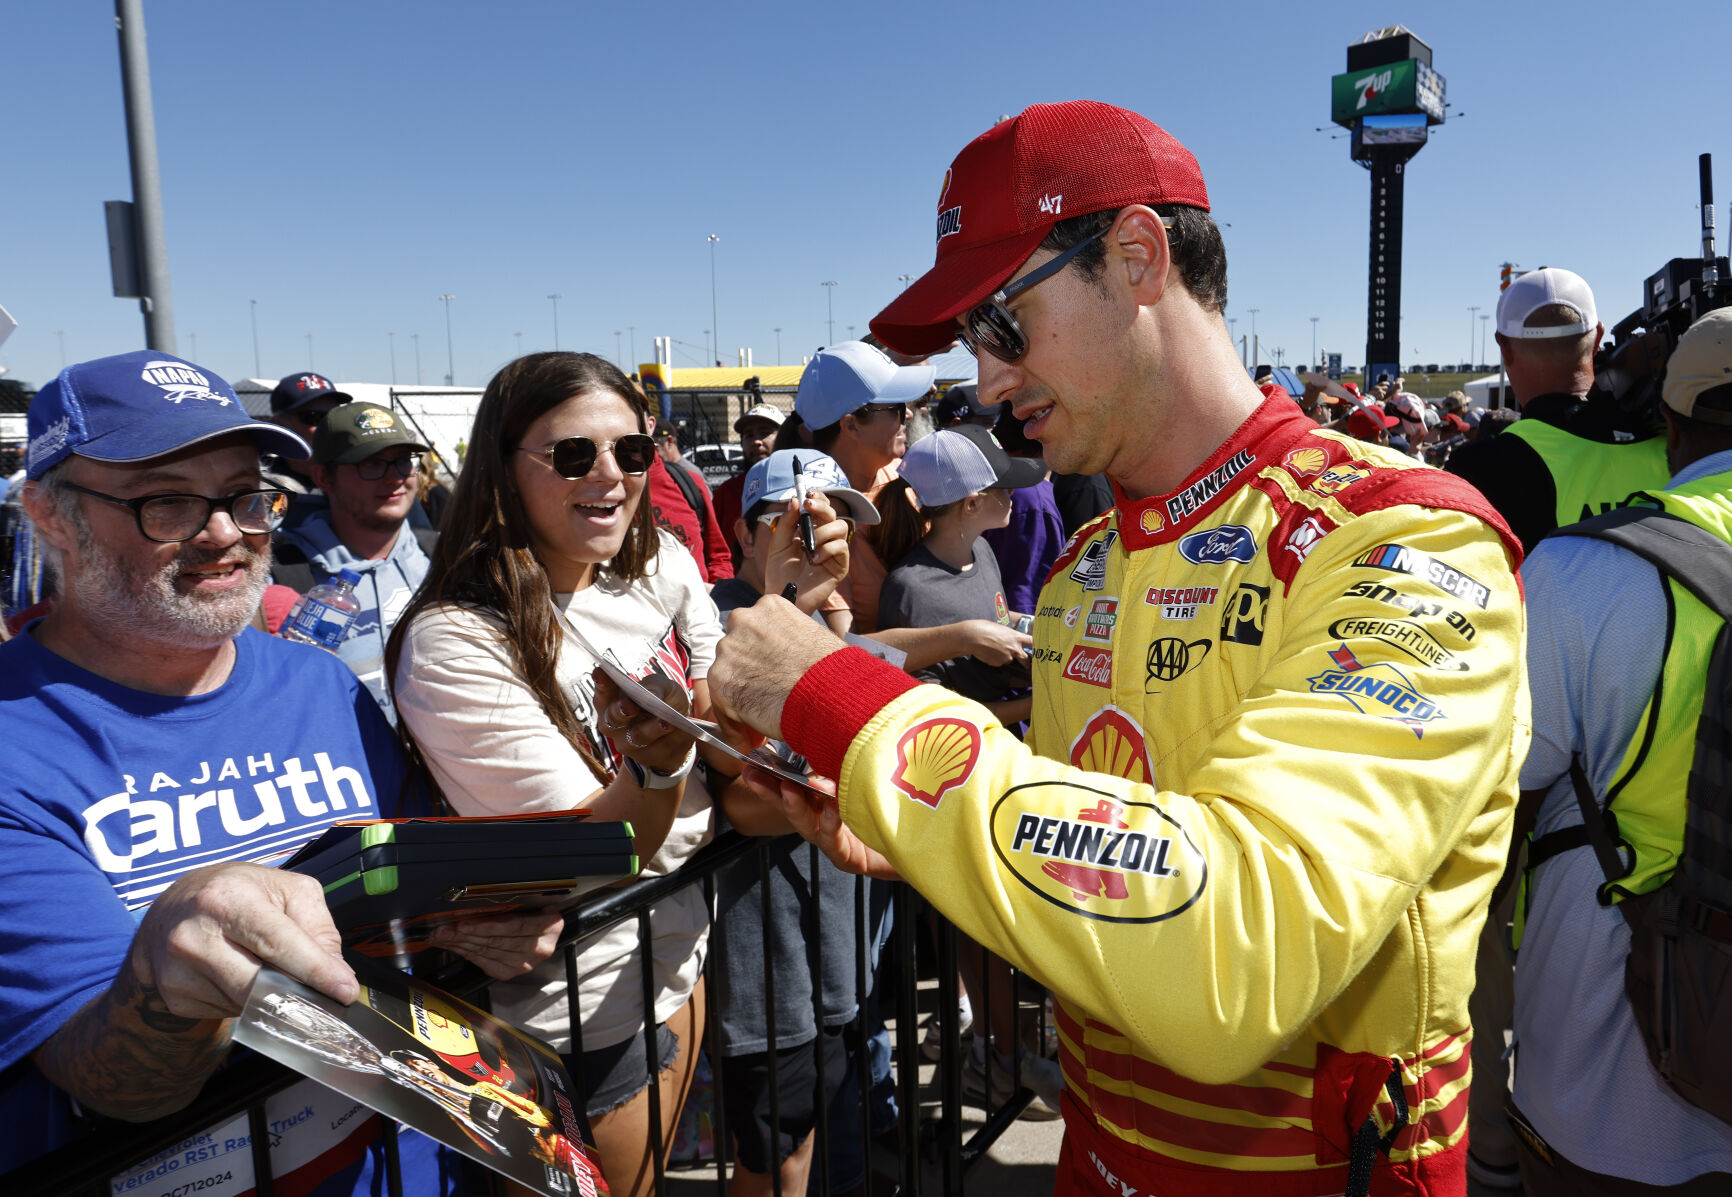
(844, 378)
(135, 406)
(772, 480)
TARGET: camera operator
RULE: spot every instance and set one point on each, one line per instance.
(1568, 457)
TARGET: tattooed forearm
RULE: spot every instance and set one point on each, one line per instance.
(126, 1055)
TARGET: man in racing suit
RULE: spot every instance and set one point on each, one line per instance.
(1279, 710)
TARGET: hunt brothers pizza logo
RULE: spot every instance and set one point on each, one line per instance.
(1097, 854)
(1091, 665)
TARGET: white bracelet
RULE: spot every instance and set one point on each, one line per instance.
(654, 779)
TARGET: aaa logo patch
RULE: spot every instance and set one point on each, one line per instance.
(934, 756)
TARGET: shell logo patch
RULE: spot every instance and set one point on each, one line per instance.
(1305, 462)
(1113, 742)
(934, 756)
(375, 421)
(1152, 521)
(1096, 854)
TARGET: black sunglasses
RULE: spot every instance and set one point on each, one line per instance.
(575, 456)
(872, 409)
(992, 326)
(170, 519)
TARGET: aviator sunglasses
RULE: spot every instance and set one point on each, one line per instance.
(992, 326)
(575, 456)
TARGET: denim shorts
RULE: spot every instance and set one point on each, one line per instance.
(610, 1076)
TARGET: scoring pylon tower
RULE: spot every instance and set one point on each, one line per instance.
(1388, 99)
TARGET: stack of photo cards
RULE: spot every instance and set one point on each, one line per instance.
(389, 882)
(434, 1062)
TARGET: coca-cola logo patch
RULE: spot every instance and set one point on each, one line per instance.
(1091, 665)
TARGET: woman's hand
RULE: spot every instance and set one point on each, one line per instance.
(502, 948)
(644, 738)
(996, 644)
(817, 576)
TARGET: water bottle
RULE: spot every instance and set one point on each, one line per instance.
(323, 615)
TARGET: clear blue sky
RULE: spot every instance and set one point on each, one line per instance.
(345, 163)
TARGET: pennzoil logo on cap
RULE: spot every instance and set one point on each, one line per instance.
(935, 756)
(949, 221)
(1096, 854)
(180, 382)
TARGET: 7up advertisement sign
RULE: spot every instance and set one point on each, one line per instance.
(1406, 86)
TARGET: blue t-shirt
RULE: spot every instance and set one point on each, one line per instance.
(110, 794)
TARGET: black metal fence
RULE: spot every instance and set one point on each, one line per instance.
(932, 1153)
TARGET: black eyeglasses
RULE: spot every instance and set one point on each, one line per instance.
(991, 326)
(170, 519)
(575, 456)
(872, 409)
(374, 468)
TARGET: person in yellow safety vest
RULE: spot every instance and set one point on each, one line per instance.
(1279, 709)
(1617, 658)
(1570, 457)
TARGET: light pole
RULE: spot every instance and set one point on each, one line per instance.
(1233, 335)
(150, 240)
(830, 305)
(1256, 349)
(616, 336)
(905, 279)
(1314, 320)
(450, 359)
(257, 372)
(778, 346)
(714, 323)
(1483, 321)
(416, 337)
(631, 334)
(310, 365)
(391, 337)
(191, 336)
(1472, 314)
(556, 297)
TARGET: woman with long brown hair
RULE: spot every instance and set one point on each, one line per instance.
(548, 544)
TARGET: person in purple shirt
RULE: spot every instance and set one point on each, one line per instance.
(1027, 546)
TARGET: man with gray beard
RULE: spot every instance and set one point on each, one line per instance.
(161, 754)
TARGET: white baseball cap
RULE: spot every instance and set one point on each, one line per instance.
(844, 378)
(1538, 288)
(1701, 368)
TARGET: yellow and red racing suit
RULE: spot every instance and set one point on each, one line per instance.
(1279, 716)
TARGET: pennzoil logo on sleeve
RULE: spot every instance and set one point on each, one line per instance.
(1096, 854)
(1398, 558)
(935, 756)
(1208, 486)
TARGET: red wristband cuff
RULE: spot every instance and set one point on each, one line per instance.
(837, 697)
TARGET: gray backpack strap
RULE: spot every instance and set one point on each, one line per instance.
(1699, 560)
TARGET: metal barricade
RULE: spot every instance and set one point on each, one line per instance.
(86, 1165)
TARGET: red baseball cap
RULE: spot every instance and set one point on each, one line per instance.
(1010, 185)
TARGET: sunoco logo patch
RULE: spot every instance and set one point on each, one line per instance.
(1097, 855)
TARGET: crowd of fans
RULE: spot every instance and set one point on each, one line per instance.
(1325, 707)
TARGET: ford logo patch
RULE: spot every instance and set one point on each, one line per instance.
(1216, 546)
